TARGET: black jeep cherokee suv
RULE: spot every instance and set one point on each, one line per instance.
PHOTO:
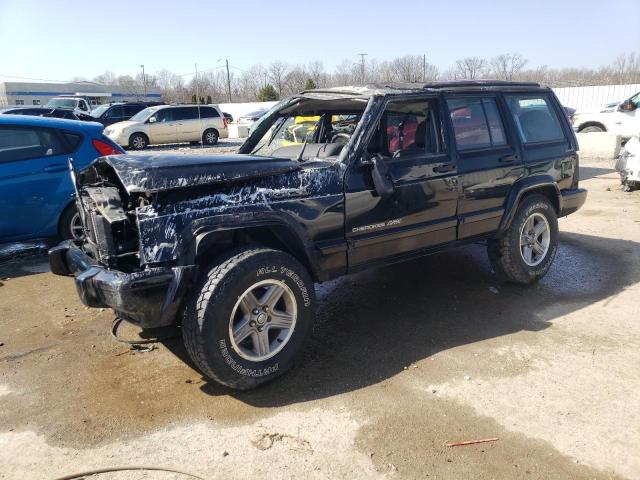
(330, 182)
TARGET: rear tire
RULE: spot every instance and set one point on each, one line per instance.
(210, 137)
(234, 327)
(592, 129)
(525, 252)
(70, 226)
(138, 141)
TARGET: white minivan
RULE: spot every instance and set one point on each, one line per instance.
(164, 124)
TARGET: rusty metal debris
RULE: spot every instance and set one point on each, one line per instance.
(471, 442)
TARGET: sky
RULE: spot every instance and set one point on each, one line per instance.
(62, 39)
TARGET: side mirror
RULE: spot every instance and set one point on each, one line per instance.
(382, 180)
(627, 106)
(152, 119)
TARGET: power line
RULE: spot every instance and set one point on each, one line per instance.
(31, 78)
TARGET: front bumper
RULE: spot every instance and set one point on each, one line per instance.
(150, 298)
(572, 200)
(121, 138)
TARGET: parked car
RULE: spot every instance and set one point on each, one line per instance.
(621, 118)
(170, 124)
(118, 112)
(250, 118)
(228, 116)
(70, 102)
(36, 192)
(231, 245)
(40, 112)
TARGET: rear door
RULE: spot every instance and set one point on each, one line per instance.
(163, 130)
(188, 125)
(488, 160)
(34, 178)
(421, 210)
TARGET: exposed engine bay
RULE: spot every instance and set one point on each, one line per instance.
(110, 233)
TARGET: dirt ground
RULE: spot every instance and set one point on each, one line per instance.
(403, 360)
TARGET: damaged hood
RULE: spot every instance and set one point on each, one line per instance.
(154, 173)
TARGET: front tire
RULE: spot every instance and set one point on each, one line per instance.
(70, 225)
(250, 317)
(525, 252)
(138, 141)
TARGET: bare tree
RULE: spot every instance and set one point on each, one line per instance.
(277, 75)
(507, 65)
(106, 78)
(469, 68)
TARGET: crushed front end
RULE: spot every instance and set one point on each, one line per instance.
(107, 266)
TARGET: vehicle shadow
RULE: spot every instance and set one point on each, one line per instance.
(372, 325)
(23, 264)
(589, 172)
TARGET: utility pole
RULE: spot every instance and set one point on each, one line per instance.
(362, 55)
(197, 90)
(144, 83)
(228, 82)
(424, 68)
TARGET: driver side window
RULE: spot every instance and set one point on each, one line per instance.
(408, 128)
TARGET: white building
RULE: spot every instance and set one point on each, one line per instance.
(31, 93)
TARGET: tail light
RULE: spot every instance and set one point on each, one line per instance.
(105, 148)
(225, 121)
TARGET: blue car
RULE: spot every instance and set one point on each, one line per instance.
(36, 192)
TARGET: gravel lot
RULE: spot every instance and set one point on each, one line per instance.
(403, 359)
(225, 145)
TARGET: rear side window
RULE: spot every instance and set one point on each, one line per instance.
(476, 123)
(535, 118)
(208, 112)
(23, 143)
(73, 140)
(185, 113)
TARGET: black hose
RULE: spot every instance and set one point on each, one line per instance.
(81, 475)
(114, 333)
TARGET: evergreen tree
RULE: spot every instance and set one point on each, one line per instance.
(267, 94)
(310, 85)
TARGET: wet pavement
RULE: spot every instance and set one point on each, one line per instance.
(402, 360)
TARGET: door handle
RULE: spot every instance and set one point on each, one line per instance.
(509, 158)
(447, 167)
(56, 167)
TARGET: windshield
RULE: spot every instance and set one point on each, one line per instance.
(62, 103)
(142, 115)
(298, 131)
(98, 111)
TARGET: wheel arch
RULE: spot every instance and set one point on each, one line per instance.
(70, 204)
(145, 135)
(541, 185)
(592, 123)
(213, 242)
